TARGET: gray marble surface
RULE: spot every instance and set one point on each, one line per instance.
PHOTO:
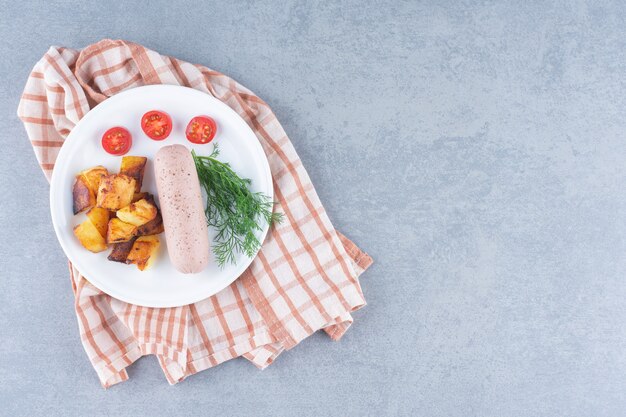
(475, 149)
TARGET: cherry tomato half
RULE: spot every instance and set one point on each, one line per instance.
(117, 141)
(201, 129)
(156, 124)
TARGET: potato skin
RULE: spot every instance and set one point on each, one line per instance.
(134, 167)
(154, 226)
(140, 196)
(90, 237)
(82, 197)
(121, 250)
(115, 192)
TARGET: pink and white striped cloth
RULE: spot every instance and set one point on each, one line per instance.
(305, 277)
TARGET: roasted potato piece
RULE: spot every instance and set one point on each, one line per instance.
(121, 250)
(90, 237)
(143, 252)
(139, 196)
(118, 231)
(93, 176)
(138, 213)
(100, 218)
(115, 191)
(133, 166)
(82, 197)
(154, 226)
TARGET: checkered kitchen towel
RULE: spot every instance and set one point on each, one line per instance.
(305, 277)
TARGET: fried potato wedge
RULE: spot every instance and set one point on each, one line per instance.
(118, 231)
(134, 166)
(138, 213)
(90, 237)
(115, 191)
(143, 252)
(121, 250)
(154, 226)
(82, 197)
(100, 218)
(93, 176)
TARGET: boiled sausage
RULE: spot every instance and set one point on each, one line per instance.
(180, 197)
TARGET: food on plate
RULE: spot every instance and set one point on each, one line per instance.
(93, 176)
(232, 209)
(119, 231)
(117, 141)
(89, 236)
(86, 187)
(201, 129)
(154, 226)
(121, 250)
(138, 213)
(119, 213)
(82, 197)
(99, 217)
(139, 196)
(143, 252)
(115, 192)
(134, 166)
(180, 197)
(156, 124)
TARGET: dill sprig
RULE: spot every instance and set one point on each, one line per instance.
(232, 209)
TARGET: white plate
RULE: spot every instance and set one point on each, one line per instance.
(162, 285)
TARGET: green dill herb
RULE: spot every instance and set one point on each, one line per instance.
(232, 209)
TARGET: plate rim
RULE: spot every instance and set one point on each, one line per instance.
(56, 179)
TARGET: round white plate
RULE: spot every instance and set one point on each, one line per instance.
(161, 285)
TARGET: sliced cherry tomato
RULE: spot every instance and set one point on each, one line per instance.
(201, 129)
(117, 141)
(156, 124)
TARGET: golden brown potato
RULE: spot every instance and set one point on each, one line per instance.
(118, 231)
(154, 226)
(133, 166)
(138, 213)
(139, 196)
(121, 250)
(93, 176)
(115, 191)
(143, 252)
(90, 237)
(100, 218)
(82, 197)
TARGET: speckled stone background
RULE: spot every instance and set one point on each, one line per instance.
(476, 149)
